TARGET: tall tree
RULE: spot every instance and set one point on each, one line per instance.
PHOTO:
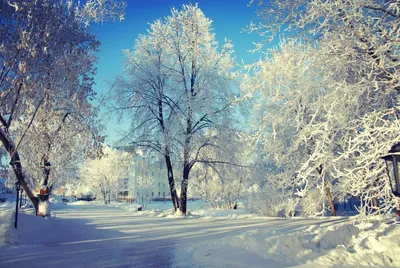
(106, 173)
(143, 94)
(218, 178)
(46, 70)
(339, 70)
(180, 87)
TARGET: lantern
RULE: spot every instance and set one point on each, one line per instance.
(392, 160)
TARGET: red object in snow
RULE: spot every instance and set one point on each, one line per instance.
(44, 190)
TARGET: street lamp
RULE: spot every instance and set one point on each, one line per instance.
(392, 160)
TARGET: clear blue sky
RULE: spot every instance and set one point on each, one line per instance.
(229, 18)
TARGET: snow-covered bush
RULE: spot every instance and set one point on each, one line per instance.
(106, 174)
(222, 182)
(290, 205)
(326, 105)
(269, 201)
(220, 190)
(312, 204)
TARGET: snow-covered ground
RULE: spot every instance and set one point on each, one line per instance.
(89, 234)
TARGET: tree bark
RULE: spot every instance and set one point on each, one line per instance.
(44, 203)
(186, 165)
(105, 197)
(167, 152)
(330, 200)
(184, 186)
(375, 202)
(171, 182)
(16, 164)
(186, 155)
(327, 191)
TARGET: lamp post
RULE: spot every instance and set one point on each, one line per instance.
(18, 187)
(392, 159)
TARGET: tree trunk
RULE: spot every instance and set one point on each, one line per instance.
(171, 182)
(16, 164)
(328, 192)
(375, 202)
(167, 152)
(190, 93)
(186, 162)
(184, 186)
(186, 165)
(44, 203)
(104, 197)
(330, 200)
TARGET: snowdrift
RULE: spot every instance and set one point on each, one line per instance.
(339, 244)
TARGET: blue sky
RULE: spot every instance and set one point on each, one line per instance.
(229, 18)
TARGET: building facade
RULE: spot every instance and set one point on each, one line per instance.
(148, 178)
(153, 174)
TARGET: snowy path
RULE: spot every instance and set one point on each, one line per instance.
(98, 236)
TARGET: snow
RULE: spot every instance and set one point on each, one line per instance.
(90, 234)
(331, 243)
(196, 209)
(44, 208)
(8, 236)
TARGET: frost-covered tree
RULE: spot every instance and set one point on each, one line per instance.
(178, 86)
(320, 92)
(363, 168)
(224, 173)
(46, 76)
(64, 139)
(287, 87)
(106, 174)
(144, 95)
(222, 187)
(205, 84)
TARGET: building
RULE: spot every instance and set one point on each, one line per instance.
(123, 195)
(145, 169)
(152, 172)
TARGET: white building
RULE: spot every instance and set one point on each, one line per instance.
(149, 169)
(145, 168)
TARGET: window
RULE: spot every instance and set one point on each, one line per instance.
(158, 194)
(152, 194)
(159, 184)
(163, 194)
